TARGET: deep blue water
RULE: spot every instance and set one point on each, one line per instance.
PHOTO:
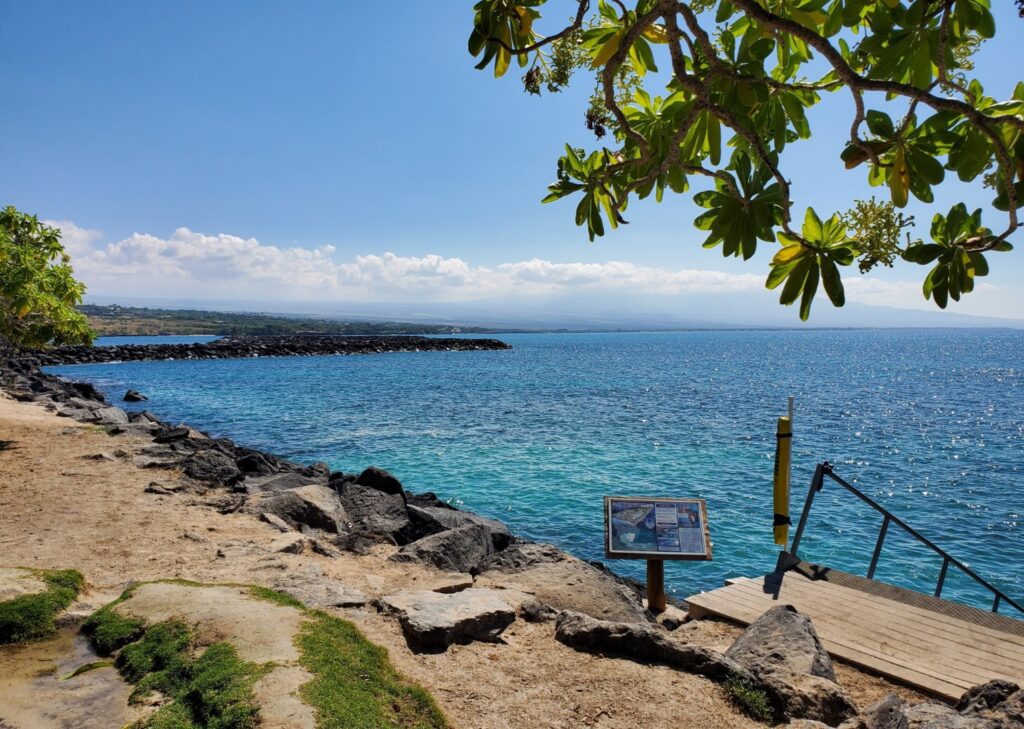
(929, 422)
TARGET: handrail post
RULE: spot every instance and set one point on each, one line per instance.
(816, 484)
(995, 603)
(942, 576)
(878, 547)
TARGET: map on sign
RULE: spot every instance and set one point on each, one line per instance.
(651, 528)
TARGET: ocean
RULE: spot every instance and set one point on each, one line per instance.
(928, 422)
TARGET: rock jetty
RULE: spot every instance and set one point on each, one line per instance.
(241, 347)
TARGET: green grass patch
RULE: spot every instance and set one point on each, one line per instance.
(212, 690)
(30, 617)
(752, 701)
(354, 685)
(109, 630)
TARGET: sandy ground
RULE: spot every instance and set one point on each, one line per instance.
(61, 507)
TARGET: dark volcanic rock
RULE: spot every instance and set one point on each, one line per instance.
(169, 435)
(381, 480)
(279, 482)
(255, 346)
(134, 396)
(455, 550)
(782, 649)
(643, 642)
(428, 520)
(986, 696)
(315, 506)
(782, 640)
(375, 514)
(213, 466)
(522, 556)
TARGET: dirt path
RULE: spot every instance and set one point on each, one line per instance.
(63, 505)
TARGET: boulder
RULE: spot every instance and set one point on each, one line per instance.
(111, 416)
(278, 482)
(254, 463)
(428, 520)
(380, 480)
(212, 466)
(522, 556)
(291, 543)
(642, 642)
(782, 649)
(885, 714)
(319, 592)
(782, 640)
(315, 506)
(170, 435)
(376, 514)
(275, 521)
(455, 550)
(319, 472)
(986, 696)
(940, 716)
(134, 396)
(432, 621)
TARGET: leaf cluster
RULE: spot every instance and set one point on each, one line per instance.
(38, 290)
(718, 90)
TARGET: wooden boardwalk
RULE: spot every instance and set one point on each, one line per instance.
(933, 645)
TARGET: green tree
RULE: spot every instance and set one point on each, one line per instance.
(38, 290)
(735, 79)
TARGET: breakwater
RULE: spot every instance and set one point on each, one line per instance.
(258, 346)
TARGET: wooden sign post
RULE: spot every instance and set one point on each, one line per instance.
(656, 529)
(656, 601)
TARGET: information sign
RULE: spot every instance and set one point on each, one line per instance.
(642, 527)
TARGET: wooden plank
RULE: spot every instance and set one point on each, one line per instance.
(933, 651)
(832, 630)
(916, 637)
(794, 581)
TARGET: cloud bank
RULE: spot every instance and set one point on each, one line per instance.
(189, 264)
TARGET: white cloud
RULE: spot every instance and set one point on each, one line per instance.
(190, 263)
(193, 265)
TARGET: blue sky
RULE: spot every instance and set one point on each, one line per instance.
(317, 136)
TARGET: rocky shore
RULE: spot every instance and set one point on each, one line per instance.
(482, 585)
(236, 347)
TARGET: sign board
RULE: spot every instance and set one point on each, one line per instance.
(641, 527)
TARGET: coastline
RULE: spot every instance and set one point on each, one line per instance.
(130, 497)
(235, 347)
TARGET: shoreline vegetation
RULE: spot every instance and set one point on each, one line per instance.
(464, 580)
(114, 321)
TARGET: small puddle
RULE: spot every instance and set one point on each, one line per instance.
(38, 695)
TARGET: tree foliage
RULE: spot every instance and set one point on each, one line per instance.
(38, 290)
(735, 80)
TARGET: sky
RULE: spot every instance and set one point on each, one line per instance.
(330, 152)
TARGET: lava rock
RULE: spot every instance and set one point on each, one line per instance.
(134, 396)
(376, 514)
(432, 621)
(428, 520)
(279, 482)
(212, 466)
(455, 550)
(315, 506)
(782, 649)
(642, 642)
(380, 480)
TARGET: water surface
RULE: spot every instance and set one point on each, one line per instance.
(929, 422)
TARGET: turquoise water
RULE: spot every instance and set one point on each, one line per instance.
(929, 422)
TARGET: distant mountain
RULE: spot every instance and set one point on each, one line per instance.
(708, 311)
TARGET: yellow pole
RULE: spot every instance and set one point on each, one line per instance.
(783, 455)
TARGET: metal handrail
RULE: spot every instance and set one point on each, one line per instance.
(818, 482)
